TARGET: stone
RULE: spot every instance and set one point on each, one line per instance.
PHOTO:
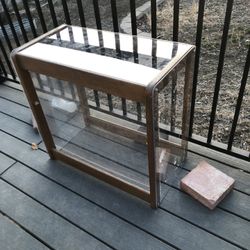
(34, 146)
(207, 184)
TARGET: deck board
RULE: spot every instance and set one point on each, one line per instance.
(85, 214)
(47, 226)
(236, 202)
(14, 237)
(5, 162)
(95, 212)
(54, 169)
(14, 95)
(18, 129)
(182, 205)
(39, 161)
(15, 110)
(159, 223)
(219, 222)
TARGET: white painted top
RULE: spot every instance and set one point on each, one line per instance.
(137, 60)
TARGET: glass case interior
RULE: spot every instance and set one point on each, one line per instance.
(95, 127)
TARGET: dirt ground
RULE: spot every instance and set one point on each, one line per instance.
(123, 8)
(239, 39)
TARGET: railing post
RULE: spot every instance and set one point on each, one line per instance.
(220, 68)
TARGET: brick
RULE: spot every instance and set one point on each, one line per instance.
(207, 184)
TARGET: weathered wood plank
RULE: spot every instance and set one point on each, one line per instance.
(226, 225)
(237, 203)
(15, 110)
(211, 223)
(46, 225)
(87, 215)
(157, 222)
(19, 129)
(13, 237)
(213, 218)
(229, 204)
(14, 95)
(162, 224)
(5, 162)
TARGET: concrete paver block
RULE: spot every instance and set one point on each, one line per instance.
(207, 184)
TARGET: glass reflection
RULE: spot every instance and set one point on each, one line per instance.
(144, 51)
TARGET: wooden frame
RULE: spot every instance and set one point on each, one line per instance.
(146, 95)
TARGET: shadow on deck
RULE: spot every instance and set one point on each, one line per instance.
(46, 204)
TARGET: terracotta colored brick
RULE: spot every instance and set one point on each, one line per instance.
(207, 184)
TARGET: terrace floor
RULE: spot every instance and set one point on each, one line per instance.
(47, 204)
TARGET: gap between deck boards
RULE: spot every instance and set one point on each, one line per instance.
(168, 208)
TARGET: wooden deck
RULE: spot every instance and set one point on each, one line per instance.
(47, 205)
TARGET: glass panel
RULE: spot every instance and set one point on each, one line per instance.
(170, 149)
(90, 134)
(109, 54)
